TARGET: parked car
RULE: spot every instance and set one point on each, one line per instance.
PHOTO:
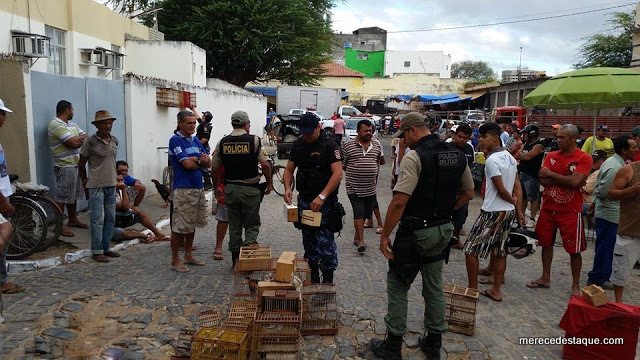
(469, 115)
(287, 133)
(351, 127)
(297, 112)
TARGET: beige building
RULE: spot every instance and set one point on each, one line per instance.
(509, 76)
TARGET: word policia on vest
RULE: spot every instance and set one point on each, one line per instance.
(448, 159)
(236, 148)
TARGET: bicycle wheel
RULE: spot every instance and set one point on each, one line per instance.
(278, 180)
(167, 176)
(29, 227)
(54, 220)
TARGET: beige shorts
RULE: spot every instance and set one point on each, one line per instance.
(189, 210)
(625, 254)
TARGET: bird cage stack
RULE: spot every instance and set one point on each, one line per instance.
(211, 343)
(253, 266)
(302, 270)
(320, 310)
(276, 331)
(209, 318)
(183, 345)
(460, 308)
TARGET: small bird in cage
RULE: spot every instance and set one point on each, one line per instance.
(253, 284)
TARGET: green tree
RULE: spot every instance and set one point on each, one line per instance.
(612, 48)
(254, 40)
(129, 6)
(477, 71)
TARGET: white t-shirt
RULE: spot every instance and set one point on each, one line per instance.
(499, 163)
(5, 182)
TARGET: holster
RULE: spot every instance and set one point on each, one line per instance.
(406, 258)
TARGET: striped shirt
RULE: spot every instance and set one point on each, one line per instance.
(59, 132)
(361, 167)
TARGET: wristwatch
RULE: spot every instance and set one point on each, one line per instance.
(199, 161)
(322, 197)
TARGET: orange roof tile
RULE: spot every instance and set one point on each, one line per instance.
(337, 70)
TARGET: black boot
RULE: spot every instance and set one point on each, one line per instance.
(234, 258)
(315, 273)
(327, 277)
(388, 349)
(431, 344)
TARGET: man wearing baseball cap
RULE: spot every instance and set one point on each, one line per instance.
(434, 181)
(203, 132)
(6, 210)
(100, 151)
(602, 142)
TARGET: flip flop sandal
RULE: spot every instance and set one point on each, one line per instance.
(362, 249)
(180, 269)
(165, 238)
(379, 231)
(536, 285)
(195, 263)
(14, 289)
(486, 293)
(217, 256)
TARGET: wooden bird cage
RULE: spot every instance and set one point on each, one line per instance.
(210, 318)
(275, 336)
(243, 309)
(460, 308)
(320, 310)
(215, 343)
(281, 301)
(254, 257)
(168, 97)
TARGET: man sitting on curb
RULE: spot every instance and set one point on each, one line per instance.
(135, 188)
(127, 216)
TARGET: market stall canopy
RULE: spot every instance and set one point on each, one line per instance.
(588, 89)
(263, 90)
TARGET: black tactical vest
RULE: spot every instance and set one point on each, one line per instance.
(439, 183)
(239, 157)
(314, 169)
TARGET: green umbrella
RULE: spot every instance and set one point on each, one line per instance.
(588, 89)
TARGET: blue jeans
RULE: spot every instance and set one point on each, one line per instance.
(605, 242)
(3, 266)
(102, 204)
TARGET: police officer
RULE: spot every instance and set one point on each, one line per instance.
(434, 180)
(318, 160)
(240, 153)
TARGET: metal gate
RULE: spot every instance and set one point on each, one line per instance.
(87, 96)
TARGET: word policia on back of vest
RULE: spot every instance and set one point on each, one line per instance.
(234, 148)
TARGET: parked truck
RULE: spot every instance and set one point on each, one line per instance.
(321, 100)
(347, 111)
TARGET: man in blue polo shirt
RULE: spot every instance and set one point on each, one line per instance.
(188, 157)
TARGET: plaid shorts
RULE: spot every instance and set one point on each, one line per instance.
(189, 210)
(490, 233)
(69, 186)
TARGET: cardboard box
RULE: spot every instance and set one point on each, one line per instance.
(311, 218)
(285, 266)
(291, 212)
(272, 285)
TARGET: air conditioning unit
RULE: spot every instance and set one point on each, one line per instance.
(30, 45)
(110, 59)
(91, 57)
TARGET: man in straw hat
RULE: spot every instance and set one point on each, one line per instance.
(100, 150)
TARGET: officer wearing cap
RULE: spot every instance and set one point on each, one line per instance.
(434, 180)
(240, 153)
(319, 163)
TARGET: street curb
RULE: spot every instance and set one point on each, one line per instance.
(19, 266)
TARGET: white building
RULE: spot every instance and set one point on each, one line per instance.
(417, 62)
(509, 76)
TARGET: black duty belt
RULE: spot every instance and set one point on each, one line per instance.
(414, 223)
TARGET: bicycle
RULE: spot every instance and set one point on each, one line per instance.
(30, 222)
(167, 172)
(278, 174)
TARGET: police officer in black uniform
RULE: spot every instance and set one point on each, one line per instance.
(434, 180)
(319, 163)
(240, 153)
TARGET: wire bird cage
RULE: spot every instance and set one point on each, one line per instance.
(215, 343)
(183, 345)
(281, 301)
(275, 335)
(254, 257)
(243, 309)
(245, 283)
(302, 271)
(460, 308)
(237, 325)
(320, 310)
(210, 318)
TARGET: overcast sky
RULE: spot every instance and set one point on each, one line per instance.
(550, 45)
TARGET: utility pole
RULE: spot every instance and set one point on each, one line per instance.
(519, 72)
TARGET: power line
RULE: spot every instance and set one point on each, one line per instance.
(509, 22)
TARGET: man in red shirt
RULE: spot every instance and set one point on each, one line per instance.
(562, 174)
(635, 136)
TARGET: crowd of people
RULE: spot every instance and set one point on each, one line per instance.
(432, 185)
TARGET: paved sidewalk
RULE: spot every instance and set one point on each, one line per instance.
(137, 305)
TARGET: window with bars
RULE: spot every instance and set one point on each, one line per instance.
(407, 64)
(57, 61)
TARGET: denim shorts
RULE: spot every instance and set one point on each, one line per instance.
(530, 186)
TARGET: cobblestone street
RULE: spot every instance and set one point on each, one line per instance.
(135, 304)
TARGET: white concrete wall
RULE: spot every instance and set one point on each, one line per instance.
(179, 61)
(421, 62)
(151, 126)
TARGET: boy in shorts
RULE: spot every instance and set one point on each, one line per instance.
(500, 209)
(562, 175)
(222, 216)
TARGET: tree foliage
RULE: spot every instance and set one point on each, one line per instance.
(254, 40)
(610, 49)
(478, 71)
(129, 6)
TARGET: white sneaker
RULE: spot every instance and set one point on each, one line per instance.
(530, 224)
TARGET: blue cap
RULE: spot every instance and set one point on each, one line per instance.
(308, 123)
